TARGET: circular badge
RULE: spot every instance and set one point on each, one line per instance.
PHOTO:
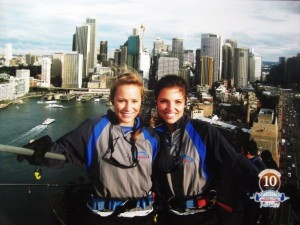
(269, 179)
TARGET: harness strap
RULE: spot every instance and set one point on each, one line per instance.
(204, 203)
(114, 204)
(224, 206)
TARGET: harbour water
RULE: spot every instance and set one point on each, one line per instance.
(23, 199)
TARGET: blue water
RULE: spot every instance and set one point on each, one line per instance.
(29, 204)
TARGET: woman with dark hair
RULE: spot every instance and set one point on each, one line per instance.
(195, 162)
(267, 157)
(118, 152)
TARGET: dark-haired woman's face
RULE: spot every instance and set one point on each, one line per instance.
(170, 104)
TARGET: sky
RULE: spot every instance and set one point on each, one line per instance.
(270, 28)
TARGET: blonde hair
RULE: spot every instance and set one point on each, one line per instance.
(126, 76)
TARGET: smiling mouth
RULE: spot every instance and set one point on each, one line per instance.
(127, 114)
(170, 115)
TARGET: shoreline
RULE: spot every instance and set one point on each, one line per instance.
(18, 100)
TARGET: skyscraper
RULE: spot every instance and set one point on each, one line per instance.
(211, 45)
(85, 44)
(103, 51)
(241, 65)
(198, 67)
(93, 44)
(228, 59)
(177, 49)
(72, 70)
(207, 68)
(167, 65)
(46, 71)
(8, 54)
(255, 65)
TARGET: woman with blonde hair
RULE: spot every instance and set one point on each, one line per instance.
(118, 152)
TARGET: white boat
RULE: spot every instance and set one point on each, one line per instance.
(54, 106)
(48, 121)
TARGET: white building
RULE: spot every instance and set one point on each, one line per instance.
(8, 54)
(46, 72)
(255, 67)
(145, 62)
(24, 74)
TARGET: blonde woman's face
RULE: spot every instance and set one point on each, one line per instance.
(127, 103)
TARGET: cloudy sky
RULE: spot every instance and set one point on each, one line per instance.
(271, 28)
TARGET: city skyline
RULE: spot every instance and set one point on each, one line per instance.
(269, 27)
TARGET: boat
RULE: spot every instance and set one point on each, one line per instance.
(48, 121)
(54, 106)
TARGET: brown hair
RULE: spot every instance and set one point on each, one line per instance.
(171, 81)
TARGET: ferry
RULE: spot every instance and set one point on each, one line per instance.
(48, 121)
(54, 106)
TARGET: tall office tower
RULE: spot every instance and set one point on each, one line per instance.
(74, 43)
(232, 42)
(72, 70)
(140, 33)
(8, 54)
(255, 66)
(167, 65)
(145, 62)
(188, 58)
(56, 69)
(57, 64)
(124, 53)
(135, 47)
(158, 46)
(207, 70)
(117, 57)
(177, 49)
(28, 59)
(83, 47)
(186, 73)
(103, 51)
(46, 72)
(197, 67)
(228, 61)
(211, 45)
(93, 44)
(241, 65)
(25, 75)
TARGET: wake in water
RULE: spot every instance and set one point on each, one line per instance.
(25, 138)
